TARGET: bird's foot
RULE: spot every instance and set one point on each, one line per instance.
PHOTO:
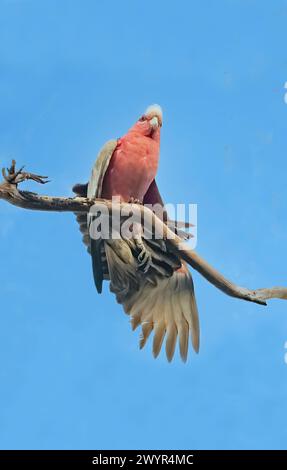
(14, 176)
(133, 200)
(144, 257)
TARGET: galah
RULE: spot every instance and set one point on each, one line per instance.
(159, 297)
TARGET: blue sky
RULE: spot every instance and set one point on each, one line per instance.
(74, 74)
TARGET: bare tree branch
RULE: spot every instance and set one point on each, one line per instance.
(27, 200)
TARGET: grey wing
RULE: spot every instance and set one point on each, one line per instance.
(99, 169)
(91, 190)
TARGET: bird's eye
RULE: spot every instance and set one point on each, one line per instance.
(142, 118)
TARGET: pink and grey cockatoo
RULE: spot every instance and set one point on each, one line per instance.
(161, 296)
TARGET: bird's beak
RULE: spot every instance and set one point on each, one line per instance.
(154, 122)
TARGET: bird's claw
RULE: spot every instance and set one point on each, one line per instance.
(133, 200)
(14, 176)
(145, 260)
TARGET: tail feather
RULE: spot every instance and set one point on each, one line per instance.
(170, 310)
(170, 340)
(167, 306)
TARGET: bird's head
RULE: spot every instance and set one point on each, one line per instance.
(150, 122)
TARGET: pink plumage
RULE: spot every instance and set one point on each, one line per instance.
(134, 163)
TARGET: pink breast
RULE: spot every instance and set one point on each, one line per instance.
(132, 168)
